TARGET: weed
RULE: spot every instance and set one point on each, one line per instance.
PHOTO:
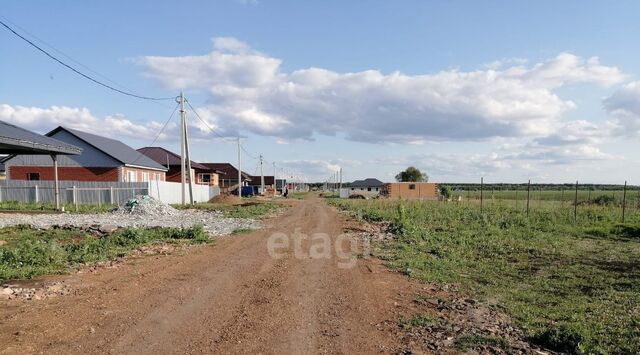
(241, 230)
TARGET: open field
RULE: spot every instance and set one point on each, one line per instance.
(571, 286)
(568, 195)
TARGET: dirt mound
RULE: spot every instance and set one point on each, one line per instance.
(226, 199)
(145, 205)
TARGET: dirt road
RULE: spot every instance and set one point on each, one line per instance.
(238, 297)
(233, 297)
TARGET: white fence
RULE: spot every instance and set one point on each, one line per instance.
(98, 193)
(171, 192)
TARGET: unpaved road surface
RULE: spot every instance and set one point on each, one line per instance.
(232, 297)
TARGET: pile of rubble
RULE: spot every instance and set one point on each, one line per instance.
(55, 289)
(145, 205)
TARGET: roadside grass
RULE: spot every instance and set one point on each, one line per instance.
(242, 230)
(299, 195)
(40, 207)
(250, 209)
(28, 252)
(418, 321)
(571, 286)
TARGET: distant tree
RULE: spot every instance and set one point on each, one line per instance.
(445, 191)
(412, 174)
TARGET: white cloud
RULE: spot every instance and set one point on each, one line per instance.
(46, 119)
(624, 110)
(249, 91)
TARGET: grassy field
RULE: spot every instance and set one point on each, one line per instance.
(571, 286)
(249, 208)
(614, 197)
(37, 207)
(28, 252)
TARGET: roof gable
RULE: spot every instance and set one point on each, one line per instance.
(229, 170)
(163, 157)
(113, 148)
(370, 182)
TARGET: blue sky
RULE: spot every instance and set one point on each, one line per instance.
(461, 89)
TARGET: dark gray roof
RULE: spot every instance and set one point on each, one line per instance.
(114, 148)
(16, 140)
(367, 183)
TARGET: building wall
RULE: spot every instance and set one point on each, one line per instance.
(420, 190)
(70, 173)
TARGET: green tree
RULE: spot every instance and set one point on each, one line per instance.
(412, 174)
(445, 191)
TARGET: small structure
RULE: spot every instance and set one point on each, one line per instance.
(256, 181)
(368, 188)
(228, 176)
(15, 140)
(201, 174)
(102, 159)
(410, 191)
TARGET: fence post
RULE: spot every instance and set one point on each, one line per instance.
(35, 188)
(575, 204)
(111, 195)
(0, 193)
(624, 199)
(528, 195)
(75, 197)
(516, 197)
(481, 192)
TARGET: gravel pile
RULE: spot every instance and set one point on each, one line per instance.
(145, 205)
(142, 212)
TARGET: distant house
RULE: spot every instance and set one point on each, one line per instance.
(102, 159)
(368, 187)
(229, 174)
(201, 174)
(411, 191)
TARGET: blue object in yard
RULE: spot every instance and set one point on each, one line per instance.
(248, 191)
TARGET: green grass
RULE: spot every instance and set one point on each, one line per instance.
(299, 195)
(29, 252)
(567, 196)
(417, 321)
(241, 230)
(37, 207)
(250, 209)
(571, 286)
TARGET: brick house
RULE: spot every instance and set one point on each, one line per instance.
(229, 176)
(202, 175)
(102, 159)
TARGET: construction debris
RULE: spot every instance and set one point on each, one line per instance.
(145, 205)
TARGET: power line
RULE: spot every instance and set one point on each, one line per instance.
(159, 133)
(248, 154)
(81, 73)
(204, 122)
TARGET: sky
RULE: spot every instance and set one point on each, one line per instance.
(505, 90)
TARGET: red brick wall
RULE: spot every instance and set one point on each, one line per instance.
(64, 173)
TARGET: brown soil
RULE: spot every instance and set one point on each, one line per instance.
(233, 297)
(226, 199)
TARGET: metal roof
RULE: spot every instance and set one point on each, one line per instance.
(164, 157)
(229, 170)
(114, 148)
(16, 140)
(367, 183)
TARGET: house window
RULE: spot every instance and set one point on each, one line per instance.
(353, 188)
(33, 176)
(377, 189)
(362, 189)
(131, 176)
(145, 177)
(368, 189)
(412, 186)
(205, 178)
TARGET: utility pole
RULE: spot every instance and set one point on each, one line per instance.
(239, 171)
(275, 181)
(188, 158)
(340, 187)
(183, 176)
(261, 177)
